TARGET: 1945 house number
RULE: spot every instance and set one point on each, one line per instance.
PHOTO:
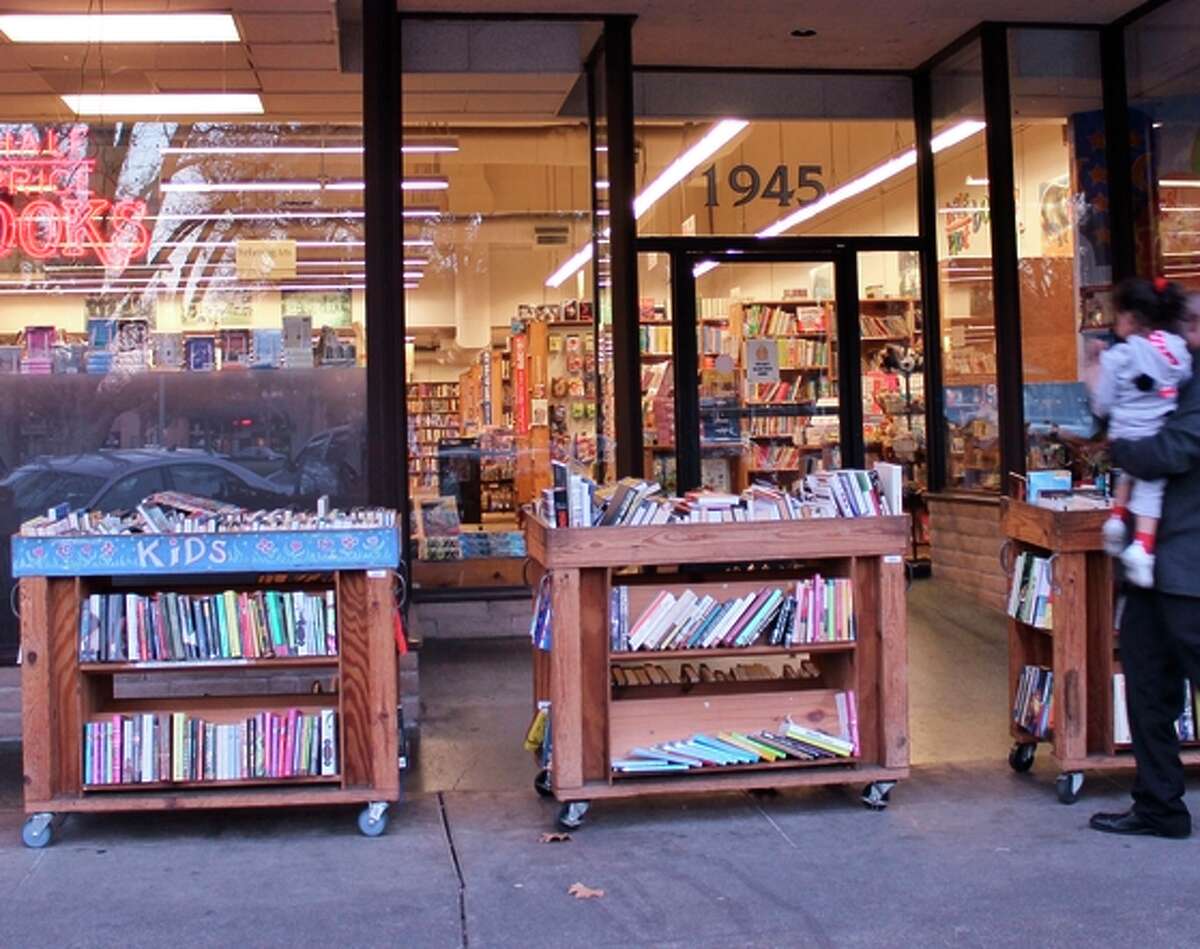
(747, 182)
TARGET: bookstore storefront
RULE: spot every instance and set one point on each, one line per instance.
(700, 277)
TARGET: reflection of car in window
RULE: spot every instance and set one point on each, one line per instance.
(331, 462)
(117, 480)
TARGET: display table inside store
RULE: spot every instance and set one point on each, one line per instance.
(273, 606)
(600, 711)
(1078, 645)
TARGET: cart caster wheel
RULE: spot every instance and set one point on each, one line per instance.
(1020, 759)
(37, 831)
(1067, 786)
(571, 815)
(373, 819)
(541, 783)
(875, 795)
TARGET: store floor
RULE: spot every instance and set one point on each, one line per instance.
(969, 853)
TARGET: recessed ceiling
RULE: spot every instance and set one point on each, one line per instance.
(868, 34)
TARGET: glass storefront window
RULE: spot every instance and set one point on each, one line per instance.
(1164, 101)
(965, 273)
(499, 283)
(766, 155)
(1064, 249)
(181, 308)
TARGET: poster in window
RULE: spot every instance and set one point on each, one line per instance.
(327, 308)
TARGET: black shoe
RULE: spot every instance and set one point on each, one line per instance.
(1132, 822)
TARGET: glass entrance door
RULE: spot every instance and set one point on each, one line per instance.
(768, 381)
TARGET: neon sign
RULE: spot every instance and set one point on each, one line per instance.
(64, 219)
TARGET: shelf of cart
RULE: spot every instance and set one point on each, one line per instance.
(209, 665)
(211, 785)
(711, 770)
(797, 649)
(218, 708)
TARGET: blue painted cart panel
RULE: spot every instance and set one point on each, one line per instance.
(147, 554)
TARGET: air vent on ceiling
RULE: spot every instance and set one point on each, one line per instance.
(551, 234)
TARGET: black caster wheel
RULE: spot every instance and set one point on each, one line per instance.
(876, 794)
(373, 819)
(1020, 759)
(38, 831)
(1067, 786)
(571, 815)
(541, 783)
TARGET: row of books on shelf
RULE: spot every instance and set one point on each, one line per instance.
(472, 545)
(1034, 701)
(765, 426)
(776, 458)
(174, 512)
(432, 405)
(1185, 726)
(763, 320)
(180, 627)
(448, 420)
(789, 742)
(149, 748)
(1030, 598)
(688, 674)
(714, 308)
(655, 340)
(433, 390)
(799, 353)
(575, 500)
(890, 327)
(717, 340)
(816, 610)
(789, 391)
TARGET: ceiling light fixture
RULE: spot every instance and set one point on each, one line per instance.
(870, 179)
(109, 28)
(261, 150)
(165, 103)
(413, 275)
(429, 146)
(976, 182)
(205, 187)
(422, 212)
(411, 286)
(1179, 182)
(713, 141)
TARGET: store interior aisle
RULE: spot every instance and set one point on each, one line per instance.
(476, 697)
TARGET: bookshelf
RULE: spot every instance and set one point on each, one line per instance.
(1079, 648)
(433, 414)
(66, 699)
(593, 721)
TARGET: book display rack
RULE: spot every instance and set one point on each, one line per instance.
(114, 627)
(633, 714)
(1064, 653)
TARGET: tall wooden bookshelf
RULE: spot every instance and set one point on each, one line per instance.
(1080, 649)
(593, 721)
(60, 694)
(433, 414)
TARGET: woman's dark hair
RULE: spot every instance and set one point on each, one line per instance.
(1158, 304)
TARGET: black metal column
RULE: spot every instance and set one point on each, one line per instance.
(1005, 264)
(849, 345)
(935, 396)
(618, 78)
(387, 407)
(686, 365)
(1118, 154)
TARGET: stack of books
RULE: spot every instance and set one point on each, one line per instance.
(178, 627)
(1185, 725)
(816, 610)
(788, 743)
(175, 747)
(1030, 599)
(173, 512)
(1034, 700)
(653, 673)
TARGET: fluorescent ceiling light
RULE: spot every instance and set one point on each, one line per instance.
(203, 187)
(261, 150)
(346, 186)
(1179, 182)
(415, 261)
(411, 286)
(428, 146)
(976, 182)
(602, 185)
(716, 138)
(876, 176)
(417, 242)
(261, 216)
(413, 275)
(165, 103)
(422, 212)
(121, 28)
(704, 267)
(579, 259)
(425, 184)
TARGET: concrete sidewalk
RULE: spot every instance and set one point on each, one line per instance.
(965, 856)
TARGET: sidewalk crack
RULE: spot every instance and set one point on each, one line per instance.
(462, 884)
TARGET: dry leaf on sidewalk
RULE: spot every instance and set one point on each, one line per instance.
(554, 838)
(581, 892)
